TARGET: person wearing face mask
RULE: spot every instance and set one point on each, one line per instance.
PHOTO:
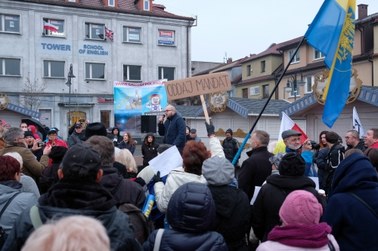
(292, 140)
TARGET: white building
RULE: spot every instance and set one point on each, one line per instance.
(40, 39)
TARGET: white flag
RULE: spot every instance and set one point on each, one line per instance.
(357, 125)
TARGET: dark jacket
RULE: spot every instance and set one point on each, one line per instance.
(128, 146)
(116, 139)
(232, 215)
(191, 214)
(353, 224)
(173, 131)
(320, 159)
(149, 150)
(123, 190)
(255, 170)
(230, 148)
(271, 197)
(89, 199)
(334, 158)
(76, 138)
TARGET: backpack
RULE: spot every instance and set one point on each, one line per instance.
(334, 157)
(142, 226)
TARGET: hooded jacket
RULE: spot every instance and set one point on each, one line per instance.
(271, 197)
(87, 198)
(149, 150)
(191, 213)
(354, 225)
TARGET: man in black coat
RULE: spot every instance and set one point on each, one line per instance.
(257, 167)
(78, 192)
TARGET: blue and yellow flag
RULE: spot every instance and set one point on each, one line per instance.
(332, 33)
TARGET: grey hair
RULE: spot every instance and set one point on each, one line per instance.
(10, 137)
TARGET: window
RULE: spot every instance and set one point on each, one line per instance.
(95, 31)
(318, 54)
(249, 70)
(309, 83)
(53, 27)
(10, 67)
(167, 73)
(53, 69)
(255, 90)
(265, 91)
(166, 37)
(9, 23)
(132, 34)
(245, 93)
(132, 73)
(146, 5)
(95, 71)
(262, 66)
(111, 3)
(296, 58)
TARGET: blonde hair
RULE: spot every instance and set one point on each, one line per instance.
(125, 157)
(71, 233)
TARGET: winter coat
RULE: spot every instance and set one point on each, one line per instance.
(19, 203)
(31, 166)
(75, 138)
(173, 131)
(175, 179)
(354, 225)
(334, 158)
(270, 198)
(149, 150)
(127, 145)
(321, 162)
(232, 214)
(123, 190)
(116, 139)
(191, 213)
(254, 170)
(87, 198)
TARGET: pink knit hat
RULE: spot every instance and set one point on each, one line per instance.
(300, 208)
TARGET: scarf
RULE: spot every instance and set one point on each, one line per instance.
(304, 236)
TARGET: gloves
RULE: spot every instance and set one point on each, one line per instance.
(210, 129)
(157, 177)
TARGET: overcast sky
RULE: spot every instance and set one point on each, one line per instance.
(241, 27)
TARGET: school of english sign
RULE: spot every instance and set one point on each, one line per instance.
(195, 86)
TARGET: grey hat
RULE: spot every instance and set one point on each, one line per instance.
(289, 133)
(218, 171)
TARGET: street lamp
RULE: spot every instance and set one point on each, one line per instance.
(69, 84)
(292, 85)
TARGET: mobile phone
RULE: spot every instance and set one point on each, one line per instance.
(41, 144)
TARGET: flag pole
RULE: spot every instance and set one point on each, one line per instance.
(236, 157)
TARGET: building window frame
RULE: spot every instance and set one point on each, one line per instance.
(308, 84)
(95, 31)
(132, 73)
(318, 55)
(53, 69)
(263, 66)
(57, 23)
(132, 34)
(165, 72)
(265, 91)
(6, 65)
(92, 73)
(249, 70)
(166, 37)
(146, 5)
(111, 3)
(10, 23)
(296, 58)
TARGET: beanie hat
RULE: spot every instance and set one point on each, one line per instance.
(292, 164)
(218, 171)
(301, 208)
(28, 134)
(96, 128)
(332, 137)
(229, 130)
(81, 162)
(57, 153)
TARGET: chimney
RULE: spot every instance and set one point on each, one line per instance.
(229, 60)
(362, 11)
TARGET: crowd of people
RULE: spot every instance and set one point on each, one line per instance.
(87, 193)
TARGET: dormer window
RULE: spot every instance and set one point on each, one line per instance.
(146, 5)
(111, 3)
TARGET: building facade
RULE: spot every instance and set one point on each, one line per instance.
(60, 58)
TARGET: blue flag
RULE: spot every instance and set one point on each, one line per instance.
(332, 33)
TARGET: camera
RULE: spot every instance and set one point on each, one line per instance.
(41, 144)
(314, 145)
